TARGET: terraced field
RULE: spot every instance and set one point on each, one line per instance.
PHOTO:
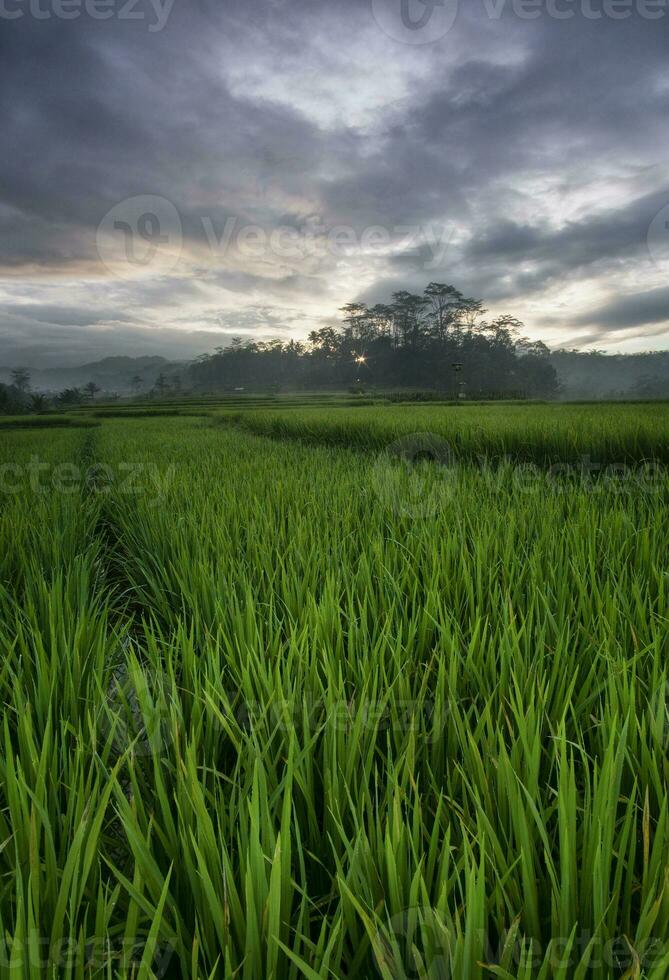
(375, 698)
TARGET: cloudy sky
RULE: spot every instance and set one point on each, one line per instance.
(175, 172)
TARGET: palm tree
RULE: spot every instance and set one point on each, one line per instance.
(70, 396)
(21, 379)
(161, 384)
(39, 403)
(91, 389)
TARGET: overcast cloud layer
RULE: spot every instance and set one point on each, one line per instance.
(186, 170)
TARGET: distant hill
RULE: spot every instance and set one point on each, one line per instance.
(111, 374)
(581, 374)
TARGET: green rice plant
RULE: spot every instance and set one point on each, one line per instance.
(542, 434)
(270, 712)
(45, 422)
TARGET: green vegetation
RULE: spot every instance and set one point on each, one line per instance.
(441, 340)
(284, 710)
(543, 434)
(145, 412)
(45, 422)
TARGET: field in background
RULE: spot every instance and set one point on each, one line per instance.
(540, 433)
(366, 698)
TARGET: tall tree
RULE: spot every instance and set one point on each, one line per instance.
(38, 403)
(70, 396)
(408, 311)
(91, 390)
(412, 342)
(445, 302)
(21, 379)
(161, 384)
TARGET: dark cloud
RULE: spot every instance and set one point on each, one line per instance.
(538, 144)
(41, 345)
(616, 233)
(640, 309)
(61, 316)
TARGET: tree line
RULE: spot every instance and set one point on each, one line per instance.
(17, 398)
(439, 340)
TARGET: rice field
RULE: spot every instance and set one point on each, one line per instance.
(299, 693)
(538, 433)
